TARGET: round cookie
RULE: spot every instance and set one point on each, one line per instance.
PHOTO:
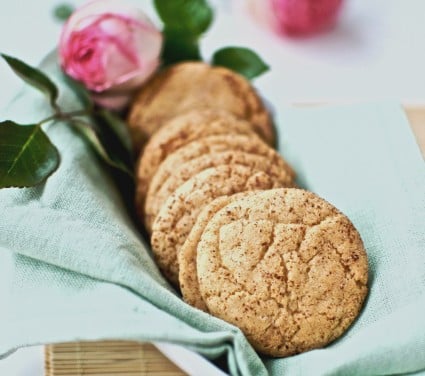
(186, 257)
(274, 165)
(206, 145)
(195, 85)
(286, 267)
(178, 132)
(179, 212)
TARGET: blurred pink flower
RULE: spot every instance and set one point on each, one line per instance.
(305, 16)
(112, 48)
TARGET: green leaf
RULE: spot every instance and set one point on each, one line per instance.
(191, 17)
(90, 135)
(80, 91)
(34, 77)
(119, 129)
(27, 157)
(241, 60)
(179, 47)
(63, 11)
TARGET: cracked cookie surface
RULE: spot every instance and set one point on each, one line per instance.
(178, 132)
(284, 266)
(179, 212)
(206, 145)
(195, 85)
(273, 164)
(188, 275)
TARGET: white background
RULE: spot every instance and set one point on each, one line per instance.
(377, 51)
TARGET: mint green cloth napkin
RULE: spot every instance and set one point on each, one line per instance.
(73, 266)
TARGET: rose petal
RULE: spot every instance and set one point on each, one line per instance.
(110, 46)
(91, 10)
(112, 101)
(305, 16)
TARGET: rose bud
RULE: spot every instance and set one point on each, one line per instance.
(110, 47)
(296, 17)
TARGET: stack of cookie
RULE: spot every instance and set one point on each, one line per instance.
(227, 225)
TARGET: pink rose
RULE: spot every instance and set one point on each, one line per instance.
(305, 16)
(112, 48)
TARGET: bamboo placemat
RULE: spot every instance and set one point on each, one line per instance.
(416, 116)
(122, 358)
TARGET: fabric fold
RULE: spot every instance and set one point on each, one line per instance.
(74, 267)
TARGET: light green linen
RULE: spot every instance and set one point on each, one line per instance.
(73, 267)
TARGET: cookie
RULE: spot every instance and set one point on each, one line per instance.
(179, 212)
(186, 257)
(178, 132)
(207, 145)
(284, 266)
(274, 165)
(195, 85)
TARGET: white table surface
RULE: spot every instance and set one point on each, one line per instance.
(376, 52)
